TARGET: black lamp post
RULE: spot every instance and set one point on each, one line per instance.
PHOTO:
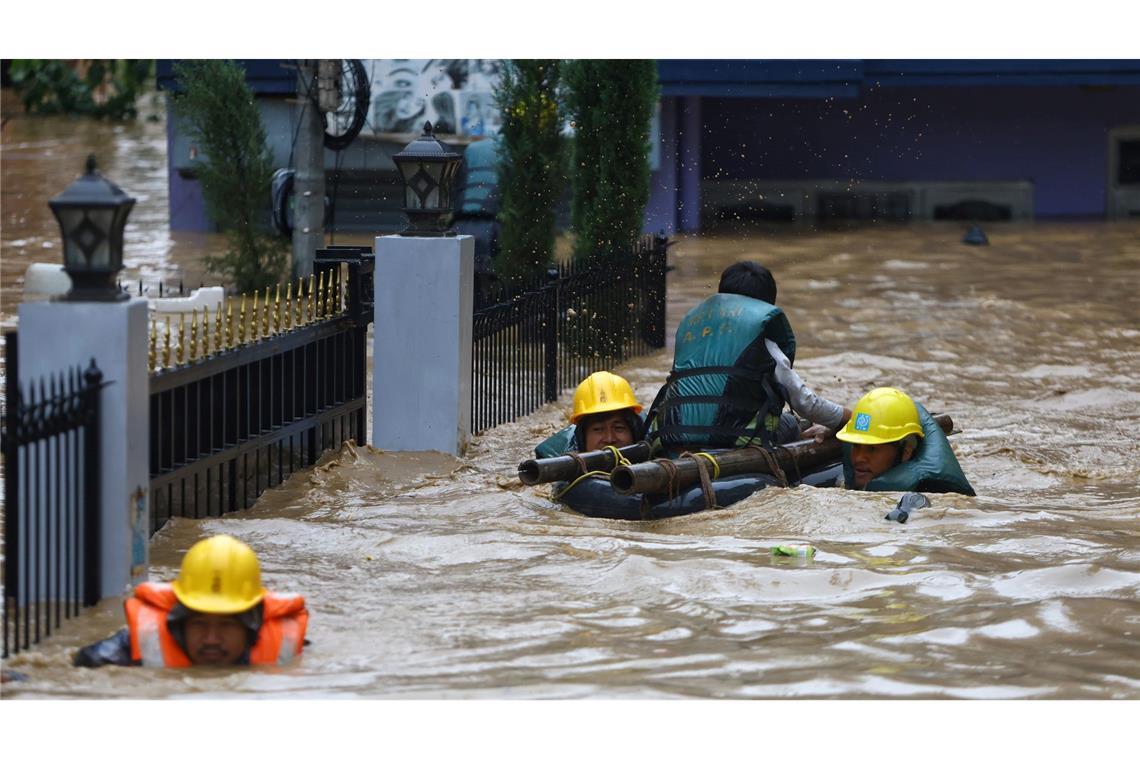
(428, 168)
(92, 213)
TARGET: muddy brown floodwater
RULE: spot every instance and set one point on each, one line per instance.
(429, 576)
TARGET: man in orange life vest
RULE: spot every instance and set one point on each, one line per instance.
(216, 612)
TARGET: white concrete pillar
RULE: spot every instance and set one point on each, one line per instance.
(59, 335)
(421, 359)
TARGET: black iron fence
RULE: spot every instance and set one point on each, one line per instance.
(532, 342)
(52, 505)
(226, 427)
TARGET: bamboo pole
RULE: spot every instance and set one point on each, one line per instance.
(793, 458)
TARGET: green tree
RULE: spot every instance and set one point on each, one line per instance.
(99, 88)
(221, 116)
(609, 103)
(530, 165)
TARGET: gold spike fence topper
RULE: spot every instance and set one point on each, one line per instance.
(166, 348)
(289, 305)
(300, 302)
(204, 347)
(277, 310)
(193, 352)
(219, 331)
(255, 324)
(241, 322)
(312, 306)
(229, 343)
(152, 346)
(181, 337)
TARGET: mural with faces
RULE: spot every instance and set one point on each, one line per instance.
(455, 95)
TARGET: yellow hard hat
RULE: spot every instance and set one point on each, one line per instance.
(603, 392)
(220, 575)
(883, 415)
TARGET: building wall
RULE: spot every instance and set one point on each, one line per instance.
(1054, 137)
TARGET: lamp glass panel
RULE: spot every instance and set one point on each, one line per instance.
(103, 219)
(69, 219)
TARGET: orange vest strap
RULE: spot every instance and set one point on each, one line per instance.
(283, 627)
(151, 642)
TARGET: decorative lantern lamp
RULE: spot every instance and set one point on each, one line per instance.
(92, 213)
(428, 168)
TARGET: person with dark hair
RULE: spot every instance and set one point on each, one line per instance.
(748, 278)
(216, 612)
(732, 373)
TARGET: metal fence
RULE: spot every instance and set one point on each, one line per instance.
(52, 505)
(532, 342)
(225, 427)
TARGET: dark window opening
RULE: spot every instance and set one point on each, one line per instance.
(890, 206)
(756, 212)
(974, 211)
(1128, 172)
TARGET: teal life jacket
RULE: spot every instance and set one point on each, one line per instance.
(479, 185)
(933, 468)
(722, 392)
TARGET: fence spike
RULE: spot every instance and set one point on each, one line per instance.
(265, 317)
(277, 311)
(255, 321)
(193, 335)
(166, 348)
(152, 346)
(204, 346)
(312, 307)
(181, 337)
(329, 292)
(319, 305)
(229, 324)
(219, 330)
(241, 322)
(300, 301)
(289, 305)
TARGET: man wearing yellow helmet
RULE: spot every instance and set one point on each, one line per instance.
(605, 413)
(893, 444)
(216, 612)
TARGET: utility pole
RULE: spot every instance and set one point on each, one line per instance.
(309, 180)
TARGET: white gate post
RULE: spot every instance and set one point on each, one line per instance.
(57, 336)
(421, 359)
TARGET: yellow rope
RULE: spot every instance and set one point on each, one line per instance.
(579, 479)
(619, 458)
(712, 459)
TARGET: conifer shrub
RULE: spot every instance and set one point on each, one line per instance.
(530, 166)
(609, 104)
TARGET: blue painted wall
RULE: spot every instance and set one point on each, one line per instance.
(1054, 136)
